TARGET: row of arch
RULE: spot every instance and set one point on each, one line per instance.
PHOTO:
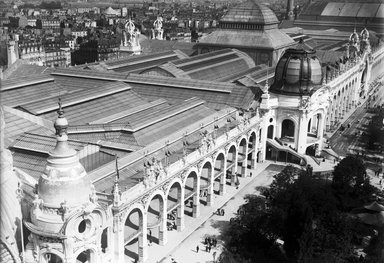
(148, 223)
(344, 100)
(84, 255)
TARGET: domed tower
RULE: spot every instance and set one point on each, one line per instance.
(298, 72)
(250, 27)
(66, 219)
(297, 106)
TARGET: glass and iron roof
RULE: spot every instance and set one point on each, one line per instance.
(250, 12)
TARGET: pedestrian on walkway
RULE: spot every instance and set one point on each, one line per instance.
(197, 249)
(150, 233)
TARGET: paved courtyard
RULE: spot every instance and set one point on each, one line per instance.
(181, 246)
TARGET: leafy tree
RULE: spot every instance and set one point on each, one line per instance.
(297, 234)
(298, 209)
(350, 176)
(376, 247)
(252, 234)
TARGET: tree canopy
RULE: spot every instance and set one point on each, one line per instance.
(297, 219)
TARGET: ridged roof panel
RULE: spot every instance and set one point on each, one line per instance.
(251, 12)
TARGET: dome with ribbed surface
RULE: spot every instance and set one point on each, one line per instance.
(250, 12)
(298, 72)
(64, 178)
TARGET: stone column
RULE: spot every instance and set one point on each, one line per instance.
(180, 211)
(252, 155)
(301, 139)
(143, 242)
(223, 179)
(68, 250)
(163, 225)
(234, 168)
(256, 146)
(244, 168)
(321, 132)
(118, 239)
(196, 199)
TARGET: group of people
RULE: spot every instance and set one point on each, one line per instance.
(203, 193)
(220, 211)
(209, 242)
(172, 219)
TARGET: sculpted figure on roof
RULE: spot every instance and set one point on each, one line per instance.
(130, 27)
(158, 24)
(157, 30)
(154, 172)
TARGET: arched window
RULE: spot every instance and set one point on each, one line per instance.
(51, 258)
(270, 132)
(85, 257)
(288, 129)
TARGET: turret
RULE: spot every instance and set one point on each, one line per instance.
(66, 217)
(64, 181)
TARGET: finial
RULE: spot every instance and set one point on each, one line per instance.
(60, 111)
(266, 87)
(61, 124)
(117, 177)
(116, 190)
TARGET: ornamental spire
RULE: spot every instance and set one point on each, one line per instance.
(116, 190)
(266, 87)
(61, 124)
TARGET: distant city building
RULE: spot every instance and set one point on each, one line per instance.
(32, 51)
(95, 10)
(32, 22)
(55, 58)
(79, 33)
(50, 23)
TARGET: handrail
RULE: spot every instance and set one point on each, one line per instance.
(287, 149)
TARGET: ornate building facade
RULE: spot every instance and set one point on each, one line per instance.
(304, 102)
(166, 170)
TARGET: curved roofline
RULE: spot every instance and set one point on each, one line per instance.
(300, 51)
(250, 12)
